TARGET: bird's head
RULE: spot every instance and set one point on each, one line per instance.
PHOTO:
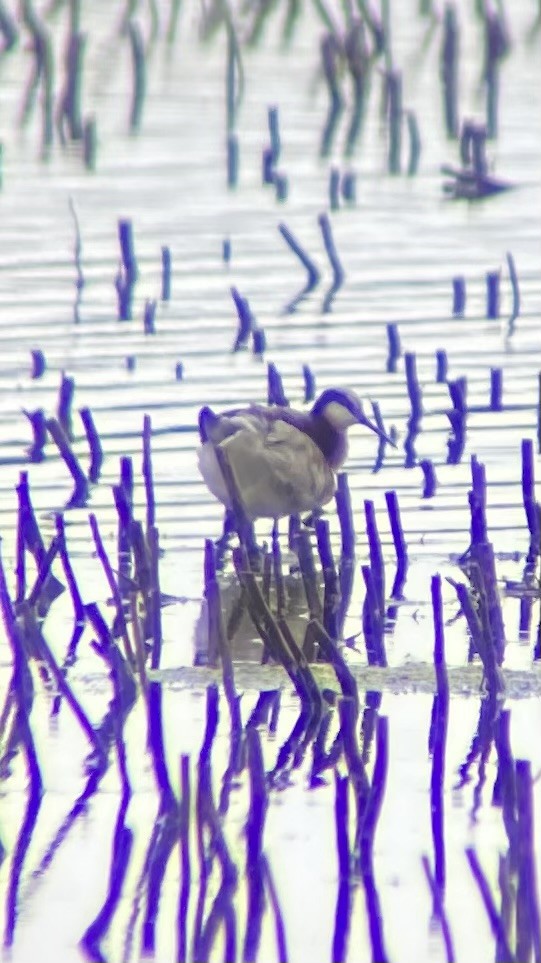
(342, 408)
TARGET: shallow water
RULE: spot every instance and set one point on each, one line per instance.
(400, 246)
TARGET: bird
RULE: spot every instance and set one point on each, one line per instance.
(284, 460)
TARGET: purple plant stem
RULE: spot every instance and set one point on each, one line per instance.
(331, 600)
(459, 297)
(395, 348)
(282, 954)
(439, 912)
(528, 915)
(348, 712)
(127, 249)
(185, 863)
(399, 541)
(505, 793)
(333, 654)
(66, 692)
(442, 366)
(345, 517)
(149, 316)
(147, 472)
(483, 578)
(496, 389)
(93, 438)
(153, 540)
(377, 565)
(489, 904)
(39, 363)
(413, 386)
(438, 743)
(528, 496)
(374, 800)
(166, 273)
(113, 587)
(275, 393)
(393, 82)
(477, 499)
(515, 310)
(332, 254)
(45, 577)
(373, 621)
(120, 858)
(430, 481)
(139, 74)
(36, 451)
(65, 403)
(442, 681)
(308, 572)
(79, 496)
(245, 318)
(254, 844)
(20, 563)
(343, 906)
(341, 812)
(306, 261)
(278, 574)
(309, 383)
(22, 686)
(458, 392)
(156, 742)
(493, 295)
(78, 605)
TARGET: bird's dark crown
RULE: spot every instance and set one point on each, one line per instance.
(347, 399)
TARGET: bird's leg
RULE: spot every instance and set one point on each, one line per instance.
(224, 542)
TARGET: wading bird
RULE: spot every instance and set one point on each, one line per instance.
(283, 460)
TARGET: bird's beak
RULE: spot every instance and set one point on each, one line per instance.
(377, 428)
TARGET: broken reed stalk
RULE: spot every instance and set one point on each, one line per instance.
(157, 747)
(64, 689)
(22, 687)
(206, 812)
(78, 605)
(47, 587)
(440, 665)
(308, 572)
(94, 443)
(154, 597)
(279, 584)
(373, 621)
(347, 554)
(374, 800)
(438, 909)
(400, 544)
(341, 816)
(38, 598)
(217, 633)
(113, 587)
(147, 473)
(331, 597)
(254, 844)
(297, 669)
(140, 657)
(282, 954)
(185, 862)
(79, 496)
(333, 655)
(491, 909)
(528, 915)
(348, 713)
(377, 565)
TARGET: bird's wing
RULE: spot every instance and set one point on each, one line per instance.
(279, 471)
